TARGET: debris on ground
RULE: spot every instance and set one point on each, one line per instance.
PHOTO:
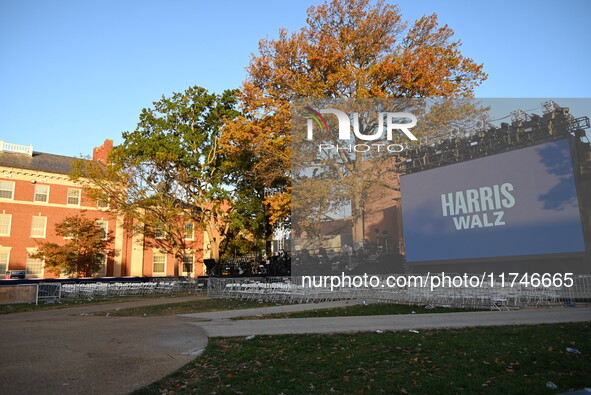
(572, 350)
(551, 385)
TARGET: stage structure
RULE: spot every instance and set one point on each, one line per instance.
(466, 196)
(514, 198)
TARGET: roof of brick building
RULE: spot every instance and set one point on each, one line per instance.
(39, 161)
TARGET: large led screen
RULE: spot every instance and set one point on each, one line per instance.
(522, 202)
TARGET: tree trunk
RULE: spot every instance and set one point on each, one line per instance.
(215, 241)
(178, 261)
(214, 246)
(358, 214)
(268, 234)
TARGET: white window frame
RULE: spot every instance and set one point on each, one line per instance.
(30, 260)
(102, 203)
(192, 235)
(44, 226)
(159, 229)
(12, 184)
(158, 253)
(105, 225)
(36, 193)
(79, 192)
(192, 255)
(4, 251)
(9, 216)
(105, 260)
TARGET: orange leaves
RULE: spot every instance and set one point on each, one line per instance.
(355, 49)
(348, 49)
(280, 205)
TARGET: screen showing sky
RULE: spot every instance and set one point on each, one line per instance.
(518, 203)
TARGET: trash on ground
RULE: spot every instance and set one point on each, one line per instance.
(250, 337)
(413, 331)
(551, 385)
(572, 350)
(379, 331)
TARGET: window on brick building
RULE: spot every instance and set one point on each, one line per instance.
(101, 259)
(38, 226)
(41, 193)
(189, 231)
(159, 263)
(105, 226)
(102, 203)
(34, 266)
(4, 257)
(74, 196)
(6, 190)
(5, 222)
(159, 232)
(187, 264)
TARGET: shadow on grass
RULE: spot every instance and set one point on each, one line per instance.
(361, 310)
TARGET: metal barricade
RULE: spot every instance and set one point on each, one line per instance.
(417, 291)
(49, 291)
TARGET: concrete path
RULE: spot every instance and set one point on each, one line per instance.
(221, 315)
(61, 352)
(224, 327)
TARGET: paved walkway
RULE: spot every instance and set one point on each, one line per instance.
(62, 352)
(222, 315)
(219, 325)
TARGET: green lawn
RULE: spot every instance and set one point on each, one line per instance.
(196, 306)
(361, 310)
(493, 360)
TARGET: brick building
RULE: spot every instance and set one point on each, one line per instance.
(36, 194)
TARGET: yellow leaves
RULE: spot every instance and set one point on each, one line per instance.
(280, 205)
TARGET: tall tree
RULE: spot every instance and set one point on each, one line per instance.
(349, 49)
(80, 255)
(169, 171)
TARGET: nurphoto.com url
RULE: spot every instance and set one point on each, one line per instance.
(441, 280)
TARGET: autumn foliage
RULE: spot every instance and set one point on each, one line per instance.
(83, 252)
(348, 49)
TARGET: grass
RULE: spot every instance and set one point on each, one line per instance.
(361, 310)
(492, 360)
(195, 306)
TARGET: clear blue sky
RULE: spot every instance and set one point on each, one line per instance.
(74, 72)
